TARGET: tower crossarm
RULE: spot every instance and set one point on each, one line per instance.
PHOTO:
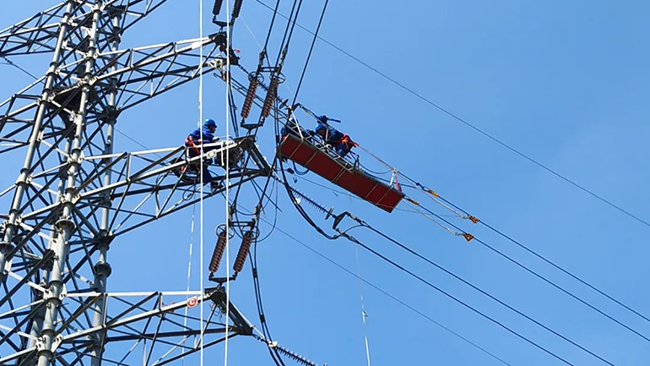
(39, 33)
(132, 76)
(168, 335)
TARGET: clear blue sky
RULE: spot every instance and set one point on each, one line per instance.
(567, 83)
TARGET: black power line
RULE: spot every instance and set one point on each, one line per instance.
(493, 320)
(412, 274)
(311, 49)
(470, 125)
(386, 293)
(534, 273)
(566, 271)
(429, 261)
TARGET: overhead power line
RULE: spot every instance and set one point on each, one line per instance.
(470, 307)
(472, 126)
(429, 261)
(388, 294)
(462, 213)
(536, 274)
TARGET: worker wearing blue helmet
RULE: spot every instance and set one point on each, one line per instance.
(209, 128)
(340, 142)
(198, 137)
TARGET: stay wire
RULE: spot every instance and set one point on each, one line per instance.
(544, 279)
(429, 261)
(475, 128)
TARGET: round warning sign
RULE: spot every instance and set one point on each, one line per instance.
(192, 302)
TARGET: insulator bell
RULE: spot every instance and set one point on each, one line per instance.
(270, 97)
(236, 8)
(243, 251)
(250, 95)
(217, 7)
(218, 251)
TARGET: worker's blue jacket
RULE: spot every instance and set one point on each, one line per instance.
(332, 135)
(195, 137)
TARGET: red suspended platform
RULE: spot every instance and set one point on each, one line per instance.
(339, 171)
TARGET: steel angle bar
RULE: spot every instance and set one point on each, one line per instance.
(46, 258)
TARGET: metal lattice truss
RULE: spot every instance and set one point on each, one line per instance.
(126, 78)
(162, 326)
(74, 194)
(40, 33)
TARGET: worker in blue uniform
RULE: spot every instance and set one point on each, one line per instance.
(198, 137)
(340, 142)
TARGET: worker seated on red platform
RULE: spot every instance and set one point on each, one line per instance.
(198, 137)
(340, 142)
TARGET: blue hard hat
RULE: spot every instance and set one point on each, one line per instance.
(319, 127)
(210, 122)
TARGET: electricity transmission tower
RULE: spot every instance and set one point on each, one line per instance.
(74, 194)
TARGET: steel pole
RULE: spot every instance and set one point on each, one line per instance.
(6, 245)
(102, 268)
(65, 225)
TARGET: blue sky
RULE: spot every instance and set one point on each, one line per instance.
(564, 82)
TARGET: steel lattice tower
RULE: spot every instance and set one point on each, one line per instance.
(74, 194)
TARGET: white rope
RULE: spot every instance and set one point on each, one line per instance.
(363, 305)
(189, 277)
(421, 212)
(227, 182)
(201, 178)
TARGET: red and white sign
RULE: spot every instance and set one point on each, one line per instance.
(192, 302)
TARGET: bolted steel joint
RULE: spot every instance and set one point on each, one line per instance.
(64, 223)
(103, 268)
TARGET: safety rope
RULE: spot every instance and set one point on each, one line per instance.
(201, 208)
(363, 305)
(189, 277)
(430, 193)
(416, 206)
(227, 184)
